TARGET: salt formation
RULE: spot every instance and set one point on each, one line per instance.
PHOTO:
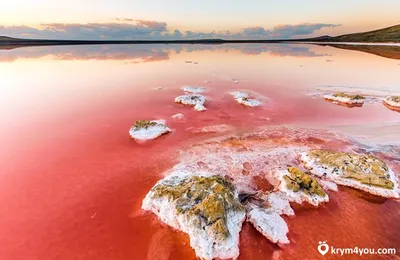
(269, 223)
(205, 206)
(300, 186)
(250, 176)
(393, 101)
(245, 99)
(192, 99)
(146, 130)
(193, 89)
(346, 98)
(179, 117)
(364, 172)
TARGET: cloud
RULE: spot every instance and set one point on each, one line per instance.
(289, 31)
(130, 29)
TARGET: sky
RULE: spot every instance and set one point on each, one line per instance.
(189, 19)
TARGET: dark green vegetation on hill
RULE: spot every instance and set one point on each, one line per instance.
(389, 34)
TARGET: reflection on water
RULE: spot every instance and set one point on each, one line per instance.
(72, 181)
(391, 52)
(147, 53)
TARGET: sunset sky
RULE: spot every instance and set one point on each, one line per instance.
(158, 19)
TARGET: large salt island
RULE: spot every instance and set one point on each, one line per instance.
(364, 172)
(204, 206)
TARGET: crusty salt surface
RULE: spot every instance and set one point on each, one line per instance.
(262, 155)
(192, 99)
(300, 196)
(328, 185)
(344, 99)
(269, 223)
(205, 243)
(393, 101)
(244, 99)
(149, 132)
(194, 89)
(337, 170)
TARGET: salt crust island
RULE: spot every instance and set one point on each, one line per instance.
(344, 98)
(144, 130)
(211, 192)
(393, 101)
(192, 97)
(195, 100)
(245, 99)
(363, 172)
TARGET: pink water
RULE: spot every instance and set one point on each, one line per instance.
(72, 180)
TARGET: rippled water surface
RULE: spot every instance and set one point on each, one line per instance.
(72, 180)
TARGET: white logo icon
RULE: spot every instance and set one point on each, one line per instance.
(323, 247)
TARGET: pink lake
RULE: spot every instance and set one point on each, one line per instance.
(72, 180)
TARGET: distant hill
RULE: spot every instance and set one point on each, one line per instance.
(8, 39)
(389, 34)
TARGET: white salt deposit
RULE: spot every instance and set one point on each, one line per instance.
(149, 132)
(336, 175)
(241, 159)
(192, 99)
(392, 102)
(299, 196)
(269, 223)
(205, 245)
(346, 100)
(245, 99)
(279, 203)
(194, 89)
(328, 185)
(179, 117)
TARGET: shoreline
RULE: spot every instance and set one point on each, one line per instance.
(31, 43)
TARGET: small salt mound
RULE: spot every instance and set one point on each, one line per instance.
(363, 172)
(301, 187)
(269, 223)
(193, 89)
(192, 99)
(204, 206)
(345, 98)
(393, 101)
(245, 99)
(178, 116)
(147, 130)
